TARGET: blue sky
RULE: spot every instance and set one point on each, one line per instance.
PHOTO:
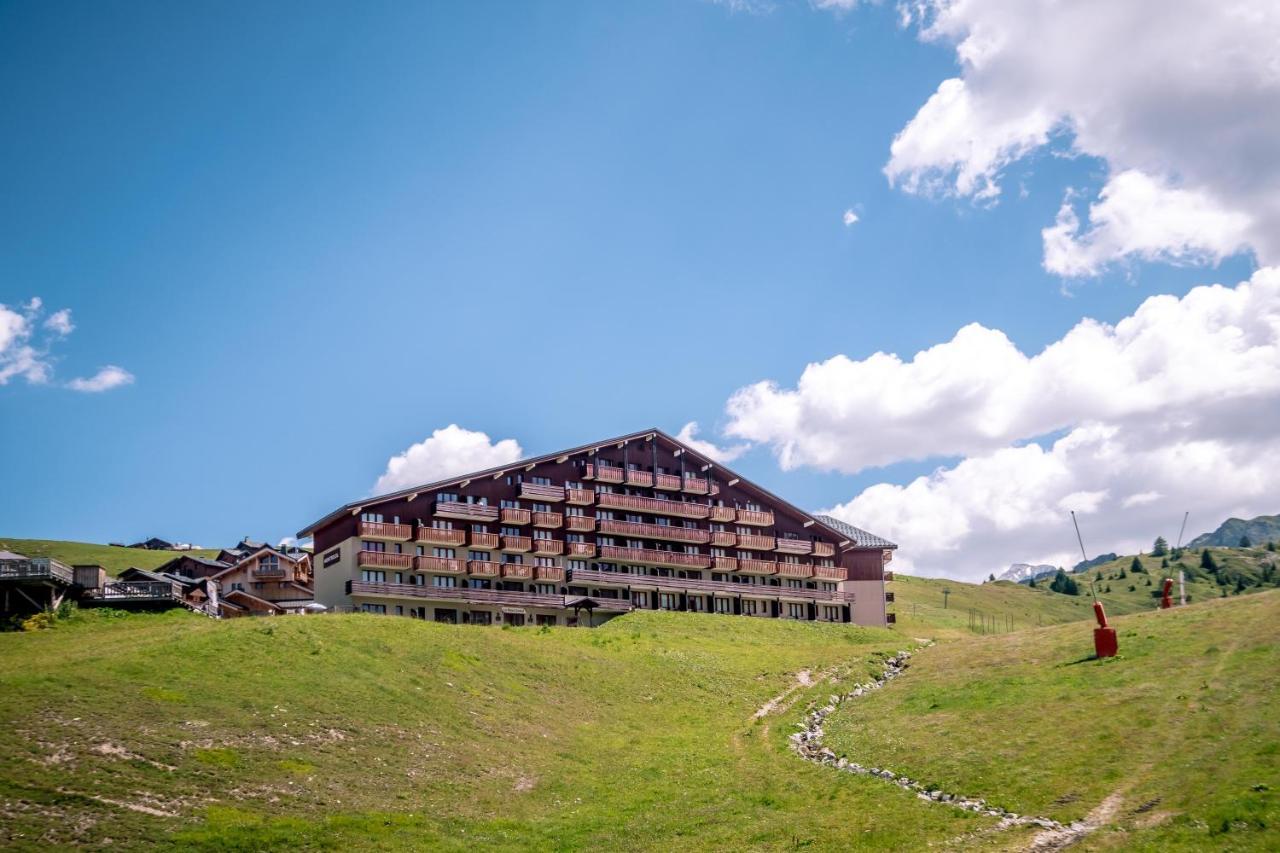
(314, 233)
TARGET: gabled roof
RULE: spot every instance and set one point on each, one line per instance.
(292, 558)
(857, 535)
(204, 561)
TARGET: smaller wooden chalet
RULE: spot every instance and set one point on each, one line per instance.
(189, 566)
(153, 544)
(266, 582)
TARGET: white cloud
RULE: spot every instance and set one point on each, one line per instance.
(1140, 499)
(104, 380)
(1181, 101)
(849, 217)
(688, 435)
(59, 323)
(446, 453)
(1216, 347)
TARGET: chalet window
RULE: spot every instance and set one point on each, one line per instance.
(399, 610)
(544, 588)
(541, 534)
(513, 559)
(481, 617)
(827, 586)
(635, 543)
(446, 498)
(269, 562)
(478, 583)
(826, 562)
(447, 553)
(751, 607)
(574, 537)
(605, 541)
(718, 552)
(373, 576)
(478, 555)
(578, 565)
(380, 547)
(830, 613)
(574, 511)
(662, 522)
(545, 619)
(668, 601)
(790, 558)
(420, 550)
(541, 507)
(510, 531)
(540, 481)
(570, 484)
(796, 611)
(399, 577)
(441, 524)
(724, 605)
(372, 517)
(640, 599)
(544, 561)
(753, 507)
(506, 504)
(792, 583)
(635, 518)
(479, 528)
(604, 515)
(692, 549)
(444, 581)
(374, 608)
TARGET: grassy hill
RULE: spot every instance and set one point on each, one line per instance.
(114, 558)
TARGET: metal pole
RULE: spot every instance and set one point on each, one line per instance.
(1079, 538)
(1183, 529)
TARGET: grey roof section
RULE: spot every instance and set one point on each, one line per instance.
(857, 535)
(9, 555)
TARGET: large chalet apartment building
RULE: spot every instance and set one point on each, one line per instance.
(637, 522)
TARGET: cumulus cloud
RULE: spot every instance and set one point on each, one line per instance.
(849, 217)
(1181, 101)
(105, 379)
(59, 323)
(446, 453)
(688, 435)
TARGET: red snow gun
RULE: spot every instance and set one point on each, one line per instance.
(1105, 644)
(1166, 598)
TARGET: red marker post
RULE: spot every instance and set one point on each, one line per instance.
(1166, 598)
(1105, 644)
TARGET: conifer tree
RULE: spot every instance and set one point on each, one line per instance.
(1160, 548)
(1207, 562)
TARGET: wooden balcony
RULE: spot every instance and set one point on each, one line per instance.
(666, 481)
(485, 540)
(721, 588)
(548, 519)
(579, 524)
(483, 568)
(582, 549)
(690, 535)
(579, 497)
(829, 573)
(723, 539)
(389, 532)
(516, 543)
(697, 485)
(755, 517)
(795, 570)
(757, 567)
(636, 477)
(549, 574)
(517, 571)
(724, 564)
(384, 560)
(824, 549)
(755, 542)
(124, 593)
(511, 515)
(460, 594)
(466, 511)
(655, 506)
(537, 492)
(439, 565)
(548, 547)
(723, 513)
(794, 546)
(37, 569)
(441, 536)
(654, 557)
(604, 473)
(261, 571)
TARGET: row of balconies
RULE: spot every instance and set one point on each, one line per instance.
(649, 480)
(581, 497)
(722, 587)
(450, 565)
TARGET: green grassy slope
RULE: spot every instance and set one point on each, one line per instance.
(1181, 727)
(919, 604)
(113, 558)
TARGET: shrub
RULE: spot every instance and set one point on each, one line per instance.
(1063, 584)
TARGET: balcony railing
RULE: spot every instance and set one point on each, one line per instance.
(794, 546)
(550, 574)
(383, 559)
(463, 594)
(757, 567)
(604, 473)
(380, 530)
(538, 492)
(548, 547)
(441, 536)
(824, 549)
(755, 517)
(138, 591)
(755, 542)
(725, 588)
(691, 535)
(517, 571)
(696, 485)
(511, 515)
(485, 540)
(636, 477)
(469, 512)
(795, 570)
(445, 565)
(724, 564)
(516, 543)
(579, 497)
(261, 571)
(483, 568)
(723, 539)
(548, 519)
(666, 481)
(654, 557)
(723, 513)
(580, 523)
(829, 573)
(656, 506)
(37, 568)
(582, 549)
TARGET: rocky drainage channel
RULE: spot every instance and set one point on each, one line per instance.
(808, 744)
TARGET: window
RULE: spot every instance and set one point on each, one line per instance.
(510, 531)
(540, 481)
(420, 550)
(446, 498)
(544, 588)
(399, 577)
(380, 547)
(828, 586)
(419, 580)
(374, 608)
(447, 553)
(374, 517)
(634, 518)
(724, 605)
(399, 610)
(795, 611)
(830, 613)
(574, 537)
(478, 555)
(545, 619)
(506, 504)
(578, 565)
(444, 581)
(640, 599)
(542, 507)
(792, 583)
(481, 617)
(441, 524)
(790, 558)
(259, 585)
(696, 603)
(269, 562)
(371, 576)
(751, 607)
(668, 601)
(517, 559)
(478, 583)
(574, 511)
(544, 561)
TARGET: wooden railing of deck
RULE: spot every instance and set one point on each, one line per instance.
(691, 535)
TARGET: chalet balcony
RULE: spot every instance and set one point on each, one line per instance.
(604, 473)
(517, 571)
(723, 539)
(691, 535)
(261, 571)
(537, 492)
(795, 570)
(756, 518)
(441, 536)
(755, 542)
(824, 549)
(466, 511)
(580, 524)
(582, 549)
(654, 557)
(513, 516)
(439, 565)
(483, 568)
(757, 567)
(794, 546)
(497, 597)
(666, 481)
(548, 547)
(829, 573)
(697, 485)
(37, 569)
(636, 477)
(388, 532)
(656, 506)
(723, 513)
(485, 540)
(579, 497)
(724, 564)
(549, 574)
(384, 560)
(721, 588)
(516, 543)
(548, 519)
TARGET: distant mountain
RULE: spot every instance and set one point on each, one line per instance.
(1023, 572)
(1260, 530)
(1085, 565)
